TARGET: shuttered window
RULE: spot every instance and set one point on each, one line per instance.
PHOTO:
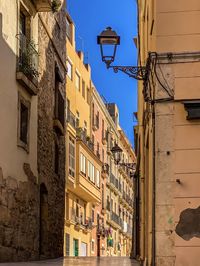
(71, 156)
(67, 239)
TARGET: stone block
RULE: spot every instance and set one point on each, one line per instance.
(6, 253)
(11, 183)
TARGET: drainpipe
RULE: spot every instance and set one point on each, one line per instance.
(154, 192)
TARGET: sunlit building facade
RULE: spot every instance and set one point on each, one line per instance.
(167, 135)
(95, 225)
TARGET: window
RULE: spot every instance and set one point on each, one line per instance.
(98, 153)
(69, 29)
(93, 122)
(77, 81)
(83, 164)
(103, 131)
(92, 245)
(71, 156)
(23, 123)
(24, 117)
(91, 171)
(83, 89)
(69, 69)
(97, 119)
(67, 240)
(22, 23)
(93, 215)
(98, 178)
(59, 102)
(88, 95)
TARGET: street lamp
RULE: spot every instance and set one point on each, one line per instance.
(109, 38)
(117, 154)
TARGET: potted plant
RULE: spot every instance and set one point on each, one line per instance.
(55, 5)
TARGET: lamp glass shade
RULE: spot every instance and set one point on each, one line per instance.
(117, 152)
(108, 41)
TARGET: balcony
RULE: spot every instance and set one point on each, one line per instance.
(79, 221)
(27, 64)
(47, 5)
(81, 135)
(71, 118)
(101, 230)
(116, 219)
(87, 189)
(114, 183)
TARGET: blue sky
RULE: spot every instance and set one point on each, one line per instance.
(90, 18)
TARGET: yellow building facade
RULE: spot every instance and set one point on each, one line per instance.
(167, 148)
(83, 167)
(99, 192)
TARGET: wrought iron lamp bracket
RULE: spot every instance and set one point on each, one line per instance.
(131, 166)
(135, 72)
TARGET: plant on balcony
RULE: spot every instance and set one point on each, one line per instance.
(55, 5)
(88, 138)
(28, 60)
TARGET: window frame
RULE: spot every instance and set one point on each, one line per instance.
(79, 78)
(69, 62)
(70, 168)
(82, 164)
(27, 104)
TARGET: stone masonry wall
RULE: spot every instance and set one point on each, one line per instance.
(55, 183)
(19, 217)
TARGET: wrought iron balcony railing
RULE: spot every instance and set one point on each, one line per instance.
(116, 218)
(81, 134)
(28, 57)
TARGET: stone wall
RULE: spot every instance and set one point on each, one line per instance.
(52, 50)
(19, 217)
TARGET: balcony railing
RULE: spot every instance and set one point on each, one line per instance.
(116, 219)
(81, 134)
(28, 57)
(71, 118)
(79, 219)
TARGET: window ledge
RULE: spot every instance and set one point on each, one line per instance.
(30, 85)
(23, 145)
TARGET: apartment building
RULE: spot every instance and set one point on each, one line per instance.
(83, 165)
(167, 135)
(32, 194)
(119, 190)
(94, 226)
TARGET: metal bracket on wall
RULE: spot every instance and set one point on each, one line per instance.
(135, 72)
